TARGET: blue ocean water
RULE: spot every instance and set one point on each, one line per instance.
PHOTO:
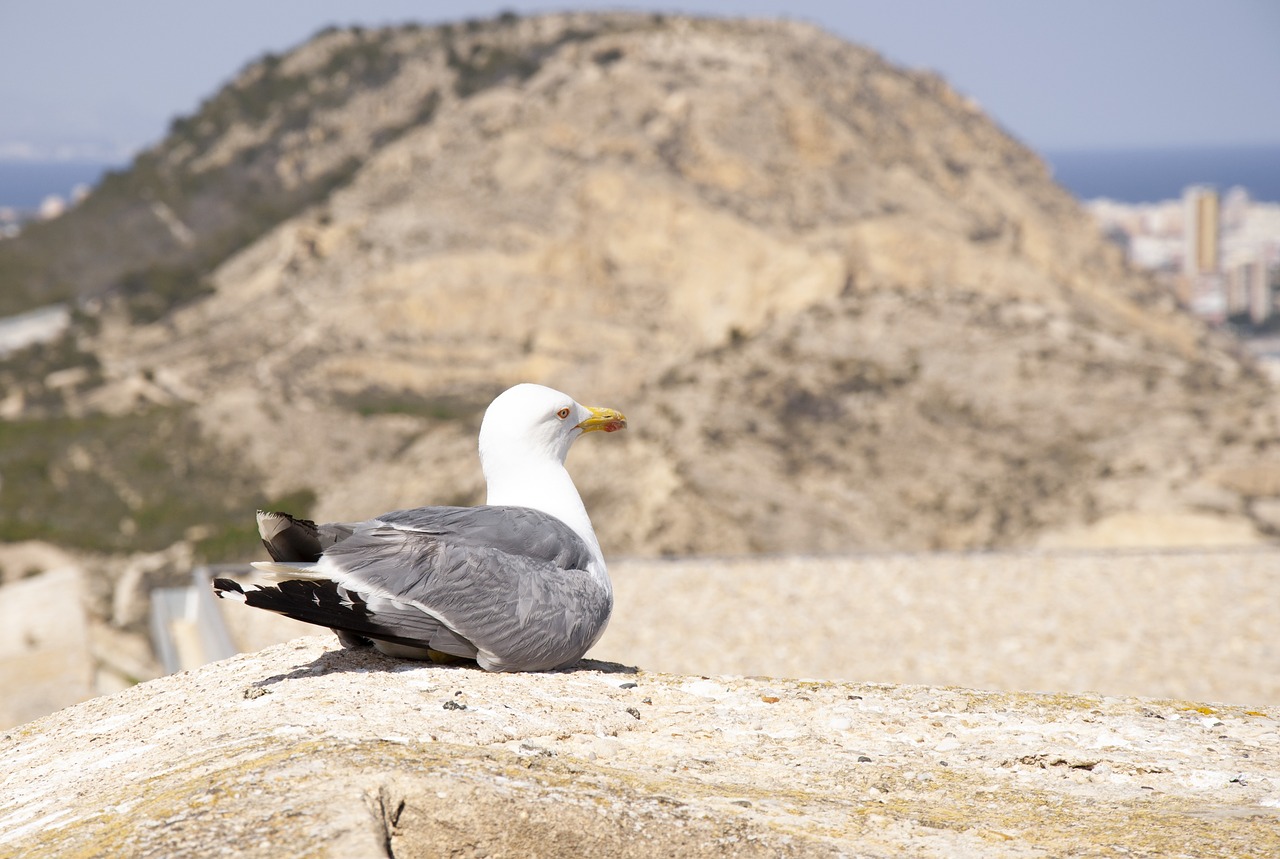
(25, 184)
(1151, 175)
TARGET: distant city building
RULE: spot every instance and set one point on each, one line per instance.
(1207, 297)
(1201, 230)
(1261, 302)
(1238, 289)
(1219, 254)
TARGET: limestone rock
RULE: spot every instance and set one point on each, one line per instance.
(1155, 530)
(796, 267)
(28, 558)
(45, 658)
(306, 750)
(843, 309)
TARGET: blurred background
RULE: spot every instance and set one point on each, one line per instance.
(947, 334)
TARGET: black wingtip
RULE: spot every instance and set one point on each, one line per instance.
(221, 586)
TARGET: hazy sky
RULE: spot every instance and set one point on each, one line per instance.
(86, 75)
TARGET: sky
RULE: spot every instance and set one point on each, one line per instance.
(84, 78)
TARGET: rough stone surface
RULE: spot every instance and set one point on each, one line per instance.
(305, 750)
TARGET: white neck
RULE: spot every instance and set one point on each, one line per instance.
(545, 485)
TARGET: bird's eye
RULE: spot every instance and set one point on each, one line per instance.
(563, 413)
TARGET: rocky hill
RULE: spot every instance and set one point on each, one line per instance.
(842, 309)
(305, 750)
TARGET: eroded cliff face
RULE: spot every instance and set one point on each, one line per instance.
(313, 751)
(842, 309)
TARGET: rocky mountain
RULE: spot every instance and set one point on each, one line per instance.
(842, 309)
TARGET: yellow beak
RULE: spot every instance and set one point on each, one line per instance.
(606, 420)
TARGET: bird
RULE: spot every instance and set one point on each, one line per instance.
(516, 584)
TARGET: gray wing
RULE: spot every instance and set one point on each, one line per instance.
(510, 580)
(516, 530)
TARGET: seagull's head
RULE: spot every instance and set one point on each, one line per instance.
(533, 421)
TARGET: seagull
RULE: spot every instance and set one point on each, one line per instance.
(517, 584)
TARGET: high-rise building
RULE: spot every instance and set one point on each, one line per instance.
(1261, 302)
(1238, 286)
(1200, 230)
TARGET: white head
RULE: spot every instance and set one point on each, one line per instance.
(533, 423)
(526, 434)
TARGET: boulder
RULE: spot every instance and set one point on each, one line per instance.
(45, 657)
(306, 749)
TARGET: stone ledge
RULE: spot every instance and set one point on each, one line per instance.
(312, 750)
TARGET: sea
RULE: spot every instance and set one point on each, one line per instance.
(1126, 175)
(24, 184)
(1152, 175)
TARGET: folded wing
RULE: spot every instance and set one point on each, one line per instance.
(506, 586)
